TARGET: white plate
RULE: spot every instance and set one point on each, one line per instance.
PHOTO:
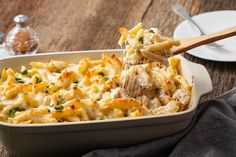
(211, 22)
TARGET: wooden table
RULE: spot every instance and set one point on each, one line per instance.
(66, 25)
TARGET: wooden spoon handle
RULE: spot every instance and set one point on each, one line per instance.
(190, 43)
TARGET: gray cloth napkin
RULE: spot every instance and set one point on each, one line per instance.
(212, 133)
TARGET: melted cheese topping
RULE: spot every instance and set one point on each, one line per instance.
(58, 91)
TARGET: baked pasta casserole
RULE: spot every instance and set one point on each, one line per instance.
(58, 91)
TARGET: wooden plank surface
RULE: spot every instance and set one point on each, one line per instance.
(65, 25)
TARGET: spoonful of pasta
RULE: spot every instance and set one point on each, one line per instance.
(147, 45)
(144, 46)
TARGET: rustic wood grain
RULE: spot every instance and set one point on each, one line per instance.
(65, 25)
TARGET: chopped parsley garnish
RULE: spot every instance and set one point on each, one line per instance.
(24, 72)
(52, 83)
(49, 110)
(151, 31)
(101, 73)
(46, 90)
(105, 78)
(140, 40)
(19, 80)
(38, 80)
(60, 98)
(59, 108)
(12, 112)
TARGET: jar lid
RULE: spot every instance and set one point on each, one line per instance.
(21, 20)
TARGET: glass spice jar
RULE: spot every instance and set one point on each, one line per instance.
(22, 39)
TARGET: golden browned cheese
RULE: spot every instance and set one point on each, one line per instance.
(58, 91)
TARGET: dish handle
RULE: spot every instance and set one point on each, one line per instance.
(203, 83)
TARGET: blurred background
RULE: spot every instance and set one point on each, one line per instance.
(64, 25)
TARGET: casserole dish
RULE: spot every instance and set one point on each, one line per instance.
(76, 138)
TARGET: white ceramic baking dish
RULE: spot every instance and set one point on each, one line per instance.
(60, 139)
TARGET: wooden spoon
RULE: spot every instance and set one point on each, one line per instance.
(190, 43)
